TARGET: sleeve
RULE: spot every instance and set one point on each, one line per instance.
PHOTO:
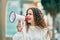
(18, 36)
(46, 36)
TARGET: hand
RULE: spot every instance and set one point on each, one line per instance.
(19, 26)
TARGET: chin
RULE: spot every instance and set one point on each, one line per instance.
(29, 21)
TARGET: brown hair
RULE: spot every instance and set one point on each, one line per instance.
(38, 18)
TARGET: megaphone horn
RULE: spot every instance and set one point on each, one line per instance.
(13, 17)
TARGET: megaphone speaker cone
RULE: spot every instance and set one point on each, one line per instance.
(12, 16)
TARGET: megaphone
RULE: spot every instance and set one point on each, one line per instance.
(13, 17)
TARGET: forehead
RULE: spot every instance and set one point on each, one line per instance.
(30, 11)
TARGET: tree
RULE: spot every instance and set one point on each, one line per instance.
(52, 7)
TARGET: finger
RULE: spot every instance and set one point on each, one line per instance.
(19, 25)
(19, 22)
(22, 23)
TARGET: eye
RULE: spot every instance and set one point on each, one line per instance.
(30, 14)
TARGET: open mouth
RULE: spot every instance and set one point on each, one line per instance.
(29, 18)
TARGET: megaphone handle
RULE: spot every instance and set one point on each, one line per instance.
(22, 23)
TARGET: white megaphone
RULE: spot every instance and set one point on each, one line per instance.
(13, 17)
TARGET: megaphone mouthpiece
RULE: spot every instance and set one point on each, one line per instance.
(26, 18)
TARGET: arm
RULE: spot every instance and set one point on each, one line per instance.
(46, 35)
(19, 34)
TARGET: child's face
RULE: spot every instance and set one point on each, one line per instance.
(30, 16)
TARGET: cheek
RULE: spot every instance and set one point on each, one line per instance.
(32, 18)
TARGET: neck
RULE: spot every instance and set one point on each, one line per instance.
(32, 24)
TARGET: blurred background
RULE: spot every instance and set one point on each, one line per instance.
(50, 9)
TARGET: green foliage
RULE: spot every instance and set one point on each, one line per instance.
(51, 6)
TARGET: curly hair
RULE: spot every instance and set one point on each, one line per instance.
(38, 18)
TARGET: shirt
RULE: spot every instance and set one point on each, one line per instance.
(34, 33)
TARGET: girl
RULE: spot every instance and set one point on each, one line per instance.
(35, 28)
